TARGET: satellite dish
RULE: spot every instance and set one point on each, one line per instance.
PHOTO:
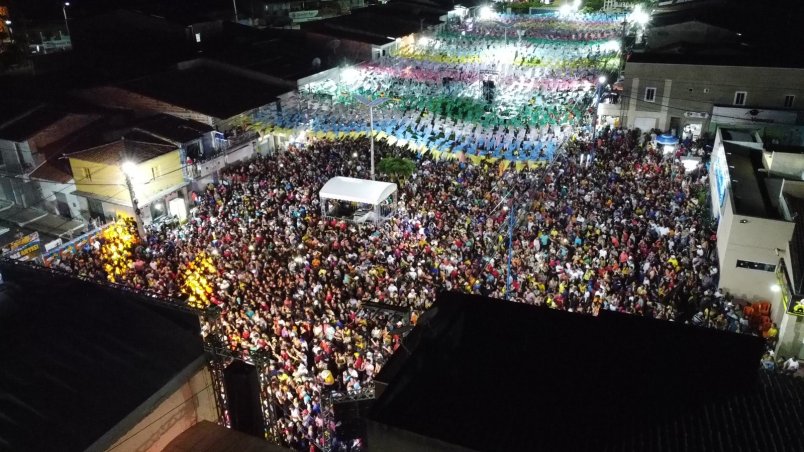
(334, 44)
(316, 62)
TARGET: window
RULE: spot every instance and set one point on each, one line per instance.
(789, 100)
(706, 90)
(198, 37)
(756, 266)
(739, 97)
(650, 94)
(87, 173)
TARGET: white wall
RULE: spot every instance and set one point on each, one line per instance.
(193, 402)
(48, 195)
(755, 240)
(789, 164)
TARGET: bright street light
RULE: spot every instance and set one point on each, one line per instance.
(129, 168)
(639, 16)
(602, 79)
(66, 24)
(485, 13)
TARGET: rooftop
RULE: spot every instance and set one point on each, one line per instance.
(82, 360)
(29, 123)
(208, 90)
(173, 129)
(135, 147)
(753, 46)
(749, 192)
(376, 24)
(488, 375)
(284, 54)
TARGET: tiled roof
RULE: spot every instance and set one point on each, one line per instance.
(207, 90)
(28, 125)
(135, 147)
(53, 170)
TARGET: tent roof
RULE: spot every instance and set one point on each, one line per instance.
(357, 190)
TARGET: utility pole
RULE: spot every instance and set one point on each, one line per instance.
(511, 216)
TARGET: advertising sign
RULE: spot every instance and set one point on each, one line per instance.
(23, 247)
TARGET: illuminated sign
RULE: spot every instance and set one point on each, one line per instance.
(300, 16)
(23, 247)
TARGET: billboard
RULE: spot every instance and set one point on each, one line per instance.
(23, 248)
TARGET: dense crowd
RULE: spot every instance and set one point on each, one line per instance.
(613, 228)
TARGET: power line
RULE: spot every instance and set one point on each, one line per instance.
(189, 399)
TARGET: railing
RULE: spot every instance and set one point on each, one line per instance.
(238, 139)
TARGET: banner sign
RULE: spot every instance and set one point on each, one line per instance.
(64, 251)
(23, 247)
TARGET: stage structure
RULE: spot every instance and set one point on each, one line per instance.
(358, 200)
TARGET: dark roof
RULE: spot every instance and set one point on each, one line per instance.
(749, 192)
(13, 108)
(31, 122)
(174, 129)
(351, 35)
(83, 358)
(285, 54)
(54, 170)
(490, 375)
(769, 39)
(135, 147)
(374, 25)
(207, 90)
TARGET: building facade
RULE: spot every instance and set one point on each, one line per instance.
(693, 99)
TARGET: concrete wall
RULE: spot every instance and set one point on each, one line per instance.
(193, 402)
(696, 88)
(788, 164)
(49, 190)
(755, 240)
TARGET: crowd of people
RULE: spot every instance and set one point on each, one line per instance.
(320, 303)
(615, 227)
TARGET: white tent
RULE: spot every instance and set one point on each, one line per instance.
(370, 199)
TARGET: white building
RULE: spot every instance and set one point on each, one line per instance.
(756, 207)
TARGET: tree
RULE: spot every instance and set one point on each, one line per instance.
(397, 167)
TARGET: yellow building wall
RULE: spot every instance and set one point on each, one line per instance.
(108, 181)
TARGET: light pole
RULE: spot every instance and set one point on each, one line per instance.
(10, 31)
(601, 82)
(129, 170)
(371, 103)
(234, 4)
(66, 21)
